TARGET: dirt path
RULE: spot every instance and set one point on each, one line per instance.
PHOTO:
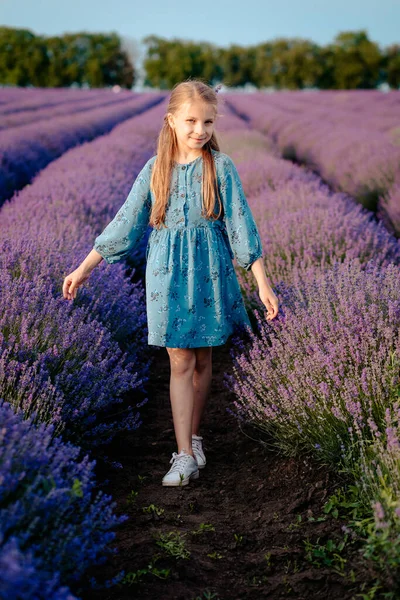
(244, 489)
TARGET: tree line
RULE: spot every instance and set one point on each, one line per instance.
(83, 59)
(351, 61)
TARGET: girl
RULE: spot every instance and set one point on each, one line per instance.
(192, 196)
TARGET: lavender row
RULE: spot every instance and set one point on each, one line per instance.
(28, 149)
(357, 108)
(13, 100)
(359, 160)
(323, 377)
(301, 221)
(47, 541)
(74, 363)
(63, 363)
(50, 110)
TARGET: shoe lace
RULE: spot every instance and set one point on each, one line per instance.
(178, 460)
(196, 444)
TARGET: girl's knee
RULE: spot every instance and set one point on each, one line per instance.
(203, 358)
(183, 360)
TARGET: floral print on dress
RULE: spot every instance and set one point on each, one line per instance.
(193, 297)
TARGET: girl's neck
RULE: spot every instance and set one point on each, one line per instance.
(183, 158)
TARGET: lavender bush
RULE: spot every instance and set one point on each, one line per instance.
(380, 489)
(323, 377)
(74, 363)
(327, 361)
(320, 378)
(28, 149)
(354, 153)
(51, 519)
(301, 222)
(68, 353)
(64, 105)
(21, 578)
(17, 99)
(389, 206)
(66, 364)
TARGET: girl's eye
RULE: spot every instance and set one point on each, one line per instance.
(193, 120)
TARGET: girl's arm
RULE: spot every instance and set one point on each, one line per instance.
(130, 223)
(119, 236)
(81, 274)
(241, 227)
(258, 270)
(265, 291)
(243, 233)
(90, 262)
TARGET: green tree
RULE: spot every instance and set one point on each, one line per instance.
(58, 72)
(299, 66)
(168, 62)
(357, 61)
(236, 66)
(23, 58)
(107, 63)
(391, 65)
(352, 61)
(96, 60)
(263, 61)
(325, 57)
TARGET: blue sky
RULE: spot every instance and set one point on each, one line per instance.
(219, 21)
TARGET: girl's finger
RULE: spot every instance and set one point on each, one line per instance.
(65, 288)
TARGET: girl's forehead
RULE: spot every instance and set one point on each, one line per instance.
(197, 109)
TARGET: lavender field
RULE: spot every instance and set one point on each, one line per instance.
(321, 382)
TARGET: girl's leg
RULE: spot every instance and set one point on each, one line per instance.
(183, 361)
(201, 384)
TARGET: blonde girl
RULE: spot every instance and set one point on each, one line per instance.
(191, 195)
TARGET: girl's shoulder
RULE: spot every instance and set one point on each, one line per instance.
(218, 155)
(223, 162)
(150, 162)
(221, 159)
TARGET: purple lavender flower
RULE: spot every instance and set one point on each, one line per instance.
(52, 525)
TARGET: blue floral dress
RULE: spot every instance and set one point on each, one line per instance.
(193, 297)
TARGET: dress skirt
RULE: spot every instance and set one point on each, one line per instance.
(193, 297)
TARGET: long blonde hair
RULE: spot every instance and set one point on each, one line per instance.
(167, 147)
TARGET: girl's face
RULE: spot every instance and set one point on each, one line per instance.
(193, 125)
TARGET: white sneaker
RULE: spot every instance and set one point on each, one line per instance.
(184, 468)
(197, 447)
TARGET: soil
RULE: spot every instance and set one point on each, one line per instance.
(245, 490)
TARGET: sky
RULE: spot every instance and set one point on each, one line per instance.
(221, 22)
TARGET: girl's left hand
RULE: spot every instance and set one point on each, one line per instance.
(270, 301)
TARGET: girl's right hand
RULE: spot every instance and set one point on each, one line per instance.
(270, 301)
(72, 283)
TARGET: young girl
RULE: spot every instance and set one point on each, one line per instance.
(192, 196)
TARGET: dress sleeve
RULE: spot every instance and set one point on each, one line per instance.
(130, 222)
(241, 227)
